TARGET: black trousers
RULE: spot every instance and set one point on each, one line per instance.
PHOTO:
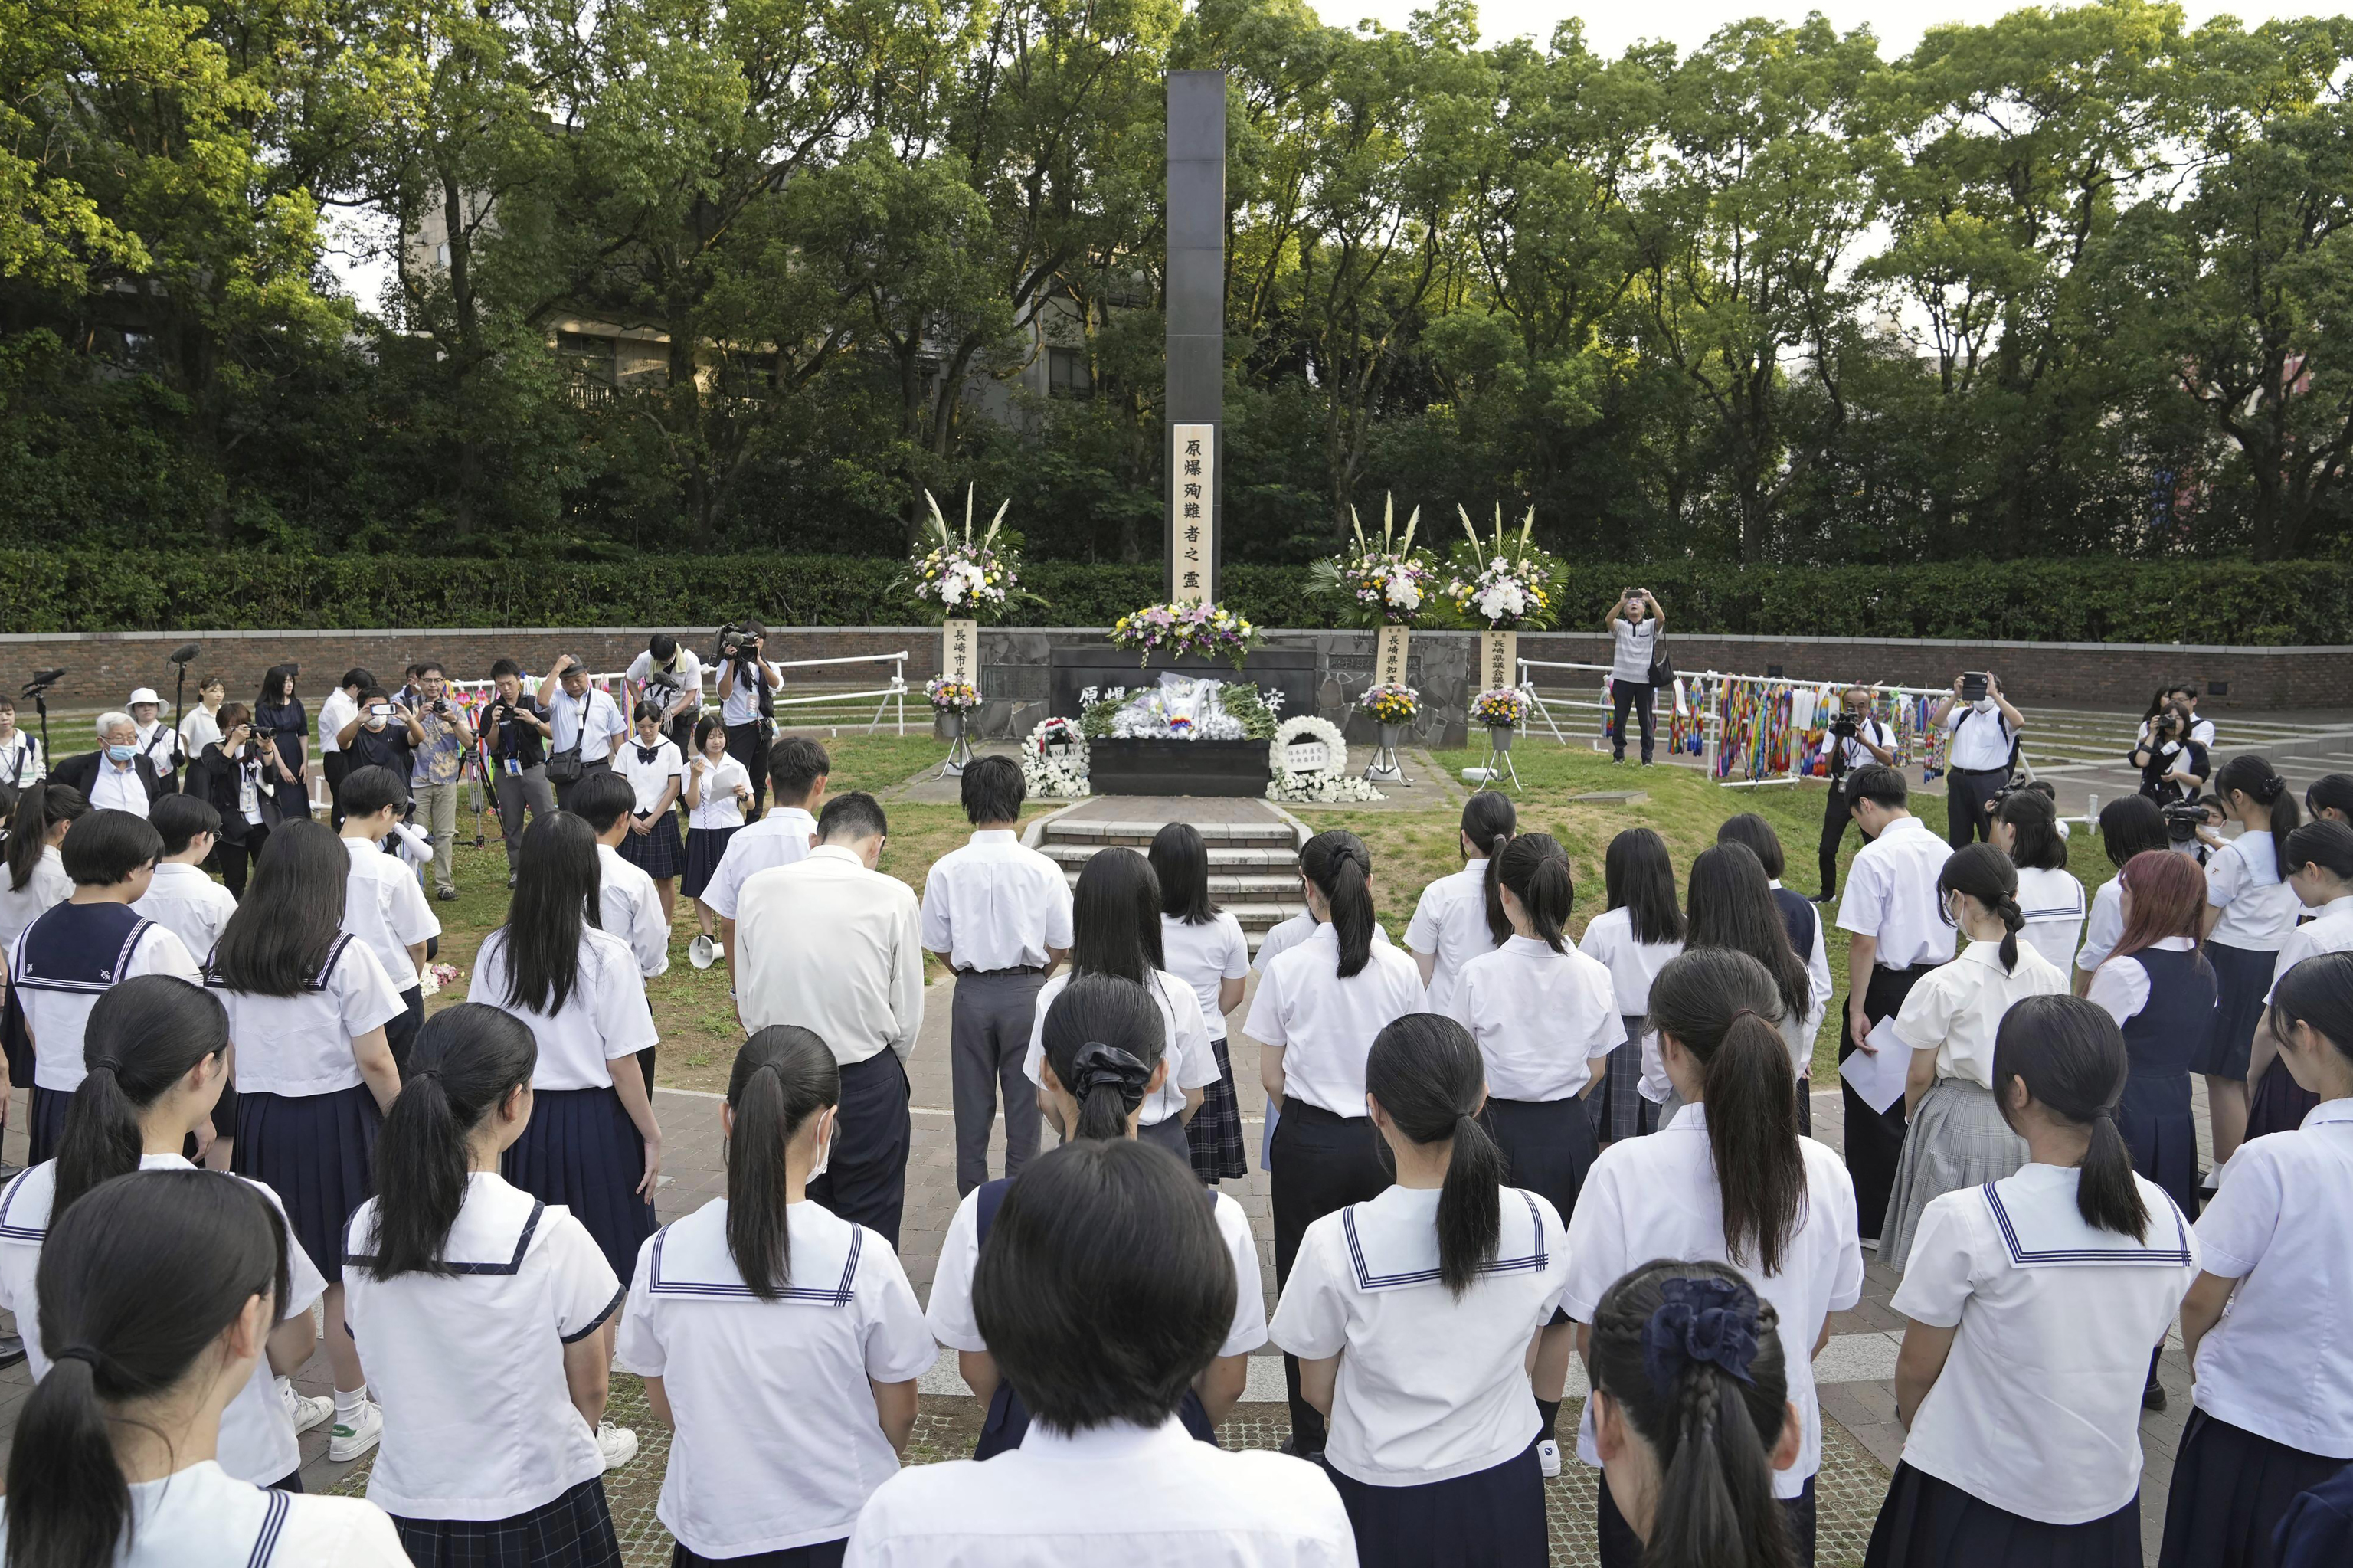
(337, 766)
(865, 1181)
(1874, 1139)
(587, 770)
(401, 1033)
(1968, 803)
(1321, 1164)
(1643, 697)
(1838, 810)
(236, 860)
(748, 744)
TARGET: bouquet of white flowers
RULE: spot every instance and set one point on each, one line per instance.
(1507, 586)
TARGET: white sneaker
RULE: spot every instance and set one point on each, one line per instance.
(348, 1441)
(617, 1445)
(1548, 1457)
(303, 1410)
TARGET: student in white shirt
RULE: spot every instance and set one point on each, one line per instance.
(2251, 910)
(1457, 916)
(201, 725)
(1105, 1291)
(2033, 1303)
(386, 908)
(337, 709)
(182, 898)
(2273, 1398)
(798, 767)
(780, 1344)
(158, 1056)
(2320, 870)
(593, 1145)
(1959, 1137)
(1544, 1018)
(1981, 738)
(678, 701)
(1203, 946)
(1318, 1008)
(308, 1003)
(1415, 1318)
(627, 903)
(586, 726)
(1685, 1489)
(1105, 1042)
(2026, 828)
(1731, 906)
(487, 1314)
(748, 683)
(717, 790)
(2130, 825)
(1730, 1180)
(21, 762)
(655, 771)
(1634, 937)
(1799, 918)
(119, 1439)
(997, 914)
(37, 869)
(2330, 799)
(1286, 934)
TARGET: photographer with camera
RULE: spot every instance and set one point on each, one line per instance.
(747, 690)
(1981, 752)
(668, 675)
(383, 734)
(2172, 761)
(1634, 623)
(341, 705)
(1855, 740)
(516, 730)
(586, 727)
(434, 771)
(2182, 695)
(238, 773)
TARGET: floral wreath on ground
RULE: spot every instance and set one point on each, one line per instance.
(951, 696)
(1051, 771)
(1390, 584)
(1504, 707)
(1181, 627)
(1509, 583)
(959, 576)
(1334, 783)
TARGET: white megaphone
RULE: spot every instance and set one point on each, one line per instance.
(702, 952)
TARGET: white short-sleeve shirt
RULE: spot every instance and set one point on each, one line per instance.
(1205, 957)
(2330, 931)
(995, 904)
(2053, 901)
(202, 1517)
(1192, 1064)
(1542, 1019)
(188, 904)
(606, 1017)
(59, 1017)
(649, 779)
(1325, 1024)
(2106, 926)
(2122, 988)
(630, 907)
(479, 1423)
(1635, 646)
(715, 804)
(776, 1442)
(1980, 738)
(48, 887)
(1891, 896)
(2038, 1408)
(1658, 1197)
(2259, 908)
(1610, 940)
(1956, 1007)
(688, 668)
(592, 722)
(739, 700)
(302, 1045)
(1431, 1387)
(2279, 1363)
(1286, 935)
(384, 905)
(1449, 923)
(336, 709)
(780, 838)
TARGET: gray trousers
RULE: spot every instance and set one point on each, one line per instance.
(516, 791)
(988, 1034)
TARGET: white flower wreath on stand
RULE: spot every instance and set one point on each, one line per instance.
(1309, 759)
(1052, 777)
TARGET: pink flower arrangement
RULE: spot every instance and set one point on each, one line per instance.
(1181, 628)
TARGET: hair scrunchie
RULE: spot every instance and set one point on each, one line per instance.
(2270, 789)
(1712, 1320)
(1097, 1064)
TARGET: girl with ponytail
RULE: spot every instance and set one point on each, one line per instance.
(2035, 1302)
(36, 870)
(1104, 1054)
(2250, 911)
(1203, 946)
(1958, 1138)
(1730, 1180)
(157, 1051)
(1544, 1018)
(1461, 915)
(159, 1289)
(1634, 937)
(1411, 1318)
(1731, 906)
(780, 1343)
(2320, 870)
(1693, 1419)
(2330, 799)
(486, 1314)
(1318, 1008)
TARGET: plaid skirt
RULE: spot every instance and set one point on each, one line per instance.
(576, 1531)
(656, 853)
(1957, 1141)
(1618, 1107)
(1215, 1133)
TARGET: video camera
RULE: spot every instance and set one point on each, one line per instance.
(733, 639)
(2183, 819)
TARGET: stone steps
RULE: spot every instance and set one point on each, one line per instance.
(1254, 866)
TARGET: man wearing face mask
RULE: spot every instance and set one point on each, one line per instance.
(117, 776)
(1981, 748)
(1855, 740)
(383, 734)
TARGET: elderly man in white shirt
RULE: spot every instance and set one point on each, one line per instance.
(584, 720)
(834, 945)
(117, 776)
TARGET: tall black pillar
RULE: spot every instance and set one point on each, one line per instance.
(1197, 328)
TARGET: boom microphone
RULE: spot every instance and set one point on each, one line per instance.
(184, 653)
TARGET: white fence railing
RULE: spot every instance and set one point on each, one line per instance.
(475, 695)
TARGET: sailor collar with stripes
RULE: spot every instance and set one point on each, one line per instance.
(1393, 1240)
(689, 1258)
(2034, 1212)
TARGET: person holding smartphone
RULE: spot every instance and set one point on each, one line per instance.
(1635, 622)
(1981, 747)
(239, 772)
(383, 734)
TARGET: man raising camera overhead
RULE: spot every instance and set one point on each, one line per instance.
(585, 726)
(1856, 739)
(747, 705)
(1981, 752)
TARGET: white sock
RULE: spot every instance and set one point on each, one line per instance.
(349, 1403)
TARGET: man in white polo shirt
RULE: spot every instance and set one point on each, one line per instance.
(584, 726)
(338, 708)
(1982, 738)
(798, 769)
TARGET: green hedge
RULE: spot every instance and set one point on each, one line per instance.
(2044, 601)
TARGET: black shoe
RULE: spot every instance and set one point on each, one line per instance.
(1829, 898)
(12, 1349)
(2153, 1396)
(446, 894)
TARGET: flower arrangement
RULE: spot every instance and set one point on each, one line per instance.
(1179, 708)
(1054, 761)
(959, 576)
(1390, 703)
(1388, 586)
(1505, 706)
(951, 696)
(1326, 778)
(1507, 585)
(1179, 628)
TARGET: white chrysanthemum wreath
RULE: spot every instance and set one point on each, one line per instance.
(1052, 777)
(1330, 783)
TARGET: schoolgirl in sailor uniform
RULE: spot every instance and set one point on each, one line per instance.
(1457, 916)
(485, 1316)
(2026, 828)
(1728, 1181)
(1203, 946)
(1104, 1054)
(2320, 870)
(1732, 905)
(592, 1143)
(36, 878)
(2130, 825)
(2033, 1301)
(158, 1291)
(717, 789)
(650, 762)
(1115, 930)
(1959, 1138)
(1414, 1317)
(1317, 1012)
(1635, 937)
(781, 1344)
(2252, 909)
(1799, 918)
(2159, 989)
(158, 1053)
(2272, 1405)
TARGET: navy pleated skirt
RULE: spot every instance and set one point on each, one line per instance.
(1215, 1133)
(821, 1554)
(1490, 1519)
(2161, 1131)
(1169, 1134)
(582, 1151)
(1929, 1523)
(576, 1531)
(2230, 1490)
(2278, 1104)
(655, 852)
(704, 849)
(2243, 978)
(1548, 1146)
(48, 1123)
(317, 1152)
